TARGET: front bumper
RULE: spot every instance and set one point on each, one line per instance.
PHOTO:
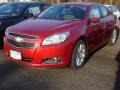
(39, 53)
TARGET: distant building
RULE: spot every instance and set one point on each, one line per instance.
(16, 0)
(115, 2)
(3, 0)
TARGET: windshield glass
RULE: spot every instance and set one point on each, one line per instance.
(12, 9)
(64, 12)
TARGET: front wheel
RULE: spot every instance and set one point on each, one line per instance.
(79, 55)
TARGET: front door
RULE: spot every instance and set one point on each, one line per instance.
(95, 31)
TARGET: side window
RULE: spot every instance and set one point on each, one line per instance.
(115, 9)
(95, 12)
(6, 9)
(35, 9)
(104, 11)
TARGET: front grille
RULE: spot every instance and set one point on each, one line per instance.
(21, 44)
(23, 36)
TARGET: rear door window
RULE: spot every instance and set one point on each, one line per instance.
(104, 11)
(95, 13)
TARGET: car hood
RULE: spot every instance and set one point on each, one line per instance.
(42, 26)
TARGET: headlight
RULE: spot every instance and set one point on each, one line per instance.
(56, 39)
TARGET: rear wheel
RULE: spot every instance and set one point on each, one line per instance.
(118, 23)
(114, 36)
(79, 55)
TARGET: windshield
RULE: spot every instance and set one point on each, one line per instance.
(64, 12)
(12, 9)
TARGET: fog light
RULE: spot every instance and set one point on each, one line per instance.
(51, 60)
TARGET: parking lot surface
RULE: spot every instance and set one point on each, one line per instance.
(101, 72)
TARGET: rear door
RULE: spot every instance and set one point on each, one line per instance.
(108, 20)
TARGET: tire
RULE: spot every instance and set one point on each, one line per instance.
(118, 23)
(114, 36)
(79, 55)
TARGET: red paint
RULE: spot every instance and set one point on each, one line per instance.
(95, 35)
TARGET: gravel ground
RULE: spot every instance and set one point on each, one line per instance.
(101, 72)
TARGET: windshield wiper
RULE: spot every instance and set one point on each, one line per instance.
(73, 19)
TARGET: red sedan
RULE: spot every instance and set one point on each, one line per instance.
(62, 35)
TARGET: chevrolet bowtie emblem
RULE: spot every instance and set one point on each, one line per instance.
(18, 39)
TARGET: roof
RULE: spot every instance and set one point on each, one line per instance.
(28, 2)
(80, 3)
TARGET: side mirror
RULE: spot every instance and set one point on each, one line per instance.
(95, 20)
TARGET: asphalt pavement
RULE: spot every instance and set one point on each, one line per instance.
(101, 72)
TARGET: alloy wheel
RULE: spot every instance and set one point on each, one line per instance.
(114, 36)
(80, 55)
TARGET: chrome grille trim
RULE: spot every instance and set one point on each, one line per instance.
(24, 36)
(21, 44)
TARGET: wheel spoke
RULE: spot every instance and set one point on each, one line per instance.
(114, 37)
(77, 61)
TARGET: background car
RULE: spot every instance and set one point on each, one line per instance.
(2, 4)
(63, 35)
(116, 12)
(12, 13)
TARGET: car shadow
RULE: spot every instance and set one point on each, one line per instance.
(117, 82)
(9, 82)
(90, 55)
